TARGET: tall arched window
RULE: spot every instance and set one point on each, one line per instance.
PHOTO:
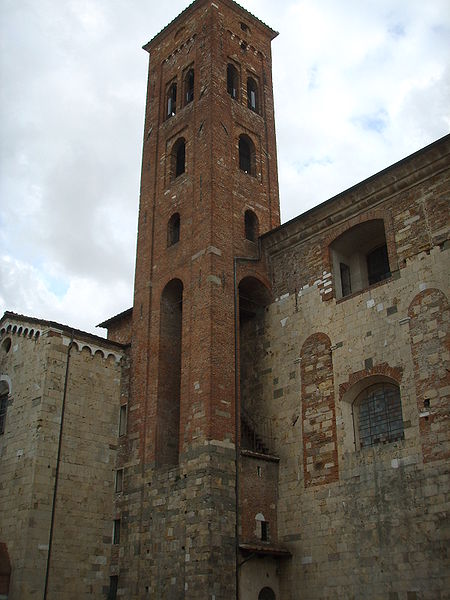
(247, 155)
(173, 230)
(252, 95)
(233, 81)
(377, 413)
(178, 158)
(169, 374)
(189, 87)
(171, 100)
(251, 226)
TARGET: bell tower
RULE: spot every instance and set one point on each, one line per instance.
(209, 189)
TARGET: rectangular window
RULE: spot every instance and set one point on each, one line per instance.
(116, 532)
(264, 531)
(123, 420)
(119, 480)
(346, 282)
(113, 584)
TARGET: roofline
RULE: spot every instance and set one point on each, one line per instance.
(193, 6)
(65, 328)
(353, 188)
(118, 317)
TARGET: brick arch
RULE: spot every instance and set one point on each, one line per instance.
(382, 370)
(320, 457)
(339, 230)
(429, 315)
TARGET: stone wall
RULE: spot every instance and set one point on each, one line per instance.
(80, 549)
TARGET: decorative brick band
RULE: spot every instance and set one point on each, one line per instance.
(430, 344)
(320, 458)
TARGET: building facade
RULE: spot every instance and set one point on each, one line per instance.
(270, 419)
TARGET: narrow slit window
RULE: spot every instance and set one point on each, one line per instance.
(251, 226)
(172, 100)
(264, 531)
(113, 585)
(173, 230)
(3, 410)
(123, 420)
(178, 159)
(119, 480)
(116, 532)
(252, 95)
(232, 81)
(189, 86)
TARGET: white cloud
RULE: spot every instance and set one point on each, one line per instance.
(358, 85)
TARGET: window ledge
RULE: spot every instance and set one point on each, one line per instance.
(366, 289)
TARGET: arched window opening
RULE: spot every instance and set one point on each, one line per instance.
(189, 87)
(178, 158)
(360, 258)
(173, 230)
(252, 95)
(233, 81)
(256, 427)
(6, 345)
(266, 593)
(169, 375)
(377, 414)
(247, 155)
(172, 100)
(4, 393)
(251, 226)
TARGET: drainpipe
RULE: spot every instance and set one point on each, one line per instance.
(236, 395)
(58, 462)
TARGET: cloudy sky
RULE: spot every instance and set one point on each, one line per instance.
(358, 84)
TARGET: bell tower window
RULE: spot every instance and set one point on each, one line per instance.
(232, 81)
(247, 155)
(252, 95)
(189, 86)
(178, 158)
(251, 226)
(171, 100)
(173, 230)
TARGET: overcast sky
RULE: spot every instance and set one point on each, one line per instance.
(358, 85)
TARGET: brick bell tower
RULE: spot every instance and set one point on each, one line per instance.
(208, 189)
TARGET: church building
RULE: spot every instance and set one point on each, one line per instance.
(270, 420)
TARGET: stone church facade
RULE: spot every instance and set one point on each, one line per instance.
(270, 419)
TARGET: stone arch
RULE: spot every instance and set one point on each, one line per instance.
(266, 593)
(429, 315)
(320, 457)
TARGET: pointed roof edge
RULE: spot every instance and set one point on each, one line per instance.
(122, 315)
(191, 7)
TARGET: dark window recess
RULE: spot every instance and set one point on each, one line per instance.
(232, 81)
(378, 265)
(345, 279)
(251, 226)
(119, 480)
(252, 95)
(113, 585)
(380, 415)
(264, 531)
(173, 230)
(266, 593)
(172, 100)
(189, 86)
(178, 158)
(116, 531)
(3, 410)
(246, 155)
(123, 420)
